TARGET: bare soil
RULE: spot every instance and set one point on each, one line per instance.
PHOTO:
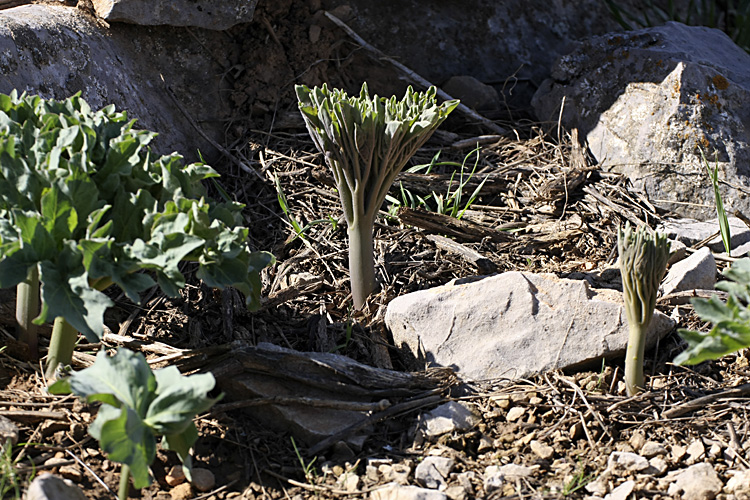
(545, 207)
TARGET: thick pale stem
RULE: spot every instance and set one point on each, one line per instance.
(361, 263)
(27, 308)
(61, 346)
(634, 358)
(122, 493)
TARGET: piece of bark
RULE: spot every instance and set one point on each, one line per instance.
(444, 224)
(482, 263)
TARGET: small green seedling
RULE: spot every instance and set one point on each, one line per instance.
(731, 319)
(137, 406)
(367, 141)
(643, 262)
(726, 235)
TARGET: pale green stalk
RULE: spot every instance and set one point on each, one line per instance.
(122, 492)
(61, 346)
(27, 308)
(643, 262)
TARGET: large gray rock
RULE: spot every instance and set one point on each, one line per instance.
(690, 232)
(513, 325)
(697, 272)
(207, 14)
(56, 51)
(646, 100)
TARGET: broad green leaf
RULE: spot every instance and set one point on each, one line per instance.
(179, 399)
(122, 379)
(66, 292)
(128, 440)
(59, 216)
(181, 443)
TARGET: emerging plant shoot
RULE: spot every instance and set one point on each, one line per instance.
(367, 142)
(643, 262)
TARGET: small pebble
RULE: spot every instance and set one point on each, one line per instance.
(182, 491)
(203, 479)
(175, 476)
(515, 413)
(651, 449)
(542, 450)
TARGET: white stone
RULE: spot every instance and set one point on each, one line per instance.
(696, 451)
(622, 492)
(541, 449)
(51, 487)
(448, 417)
(433, 471)
(697, 272)
(399, 492)
(624, 462)
(651, 449)
(513, 325)
(691, 232)
(493, 479)
(738, 483)
(697, 482)
(515, 413)
(515, 471)
(658, 466)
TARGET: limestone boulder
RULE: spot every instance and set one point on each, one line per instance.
(56, 51)
(646, 101)
(513, 325)
(198, 13)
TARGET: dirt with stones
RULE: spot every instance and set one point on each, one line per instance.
(543, 208)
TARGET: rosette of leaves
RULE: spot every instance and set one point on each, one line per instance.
(138, 405)
(367, 141)
(643, 262)
(731, 319)
(84, 204)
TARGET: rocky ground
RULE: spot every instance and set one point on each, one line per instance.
(554, 435)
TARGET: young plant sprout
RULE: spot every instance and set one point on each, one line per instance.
(367, 142)
(84, 205)
(643, 262)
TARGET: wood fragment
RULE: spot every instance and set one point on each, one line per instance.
(702, 402)
(29, 416)
(415, 78)
(482, 263)
(444, 224)
(680, 298)
(474, 142)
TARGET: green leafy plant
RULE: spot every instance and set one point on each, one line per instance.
(367, 142)
(726, 235)
(137, 406)
(730, 16)
(453, 203)
(84, 204)
(731, 319)
(643, 262)
(578, 481)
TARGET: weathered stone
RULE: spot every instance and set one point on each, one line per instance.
(514, 471)
(738, 483)
(51, 487)
(472, 92)
(646, 100)
(399, 492)
(202, 479)
(697, 272)
(623, 463)
(697, 482)
(206, 14)
(56, 51)
(542, 450)
(175, 476)
(448, 417)
(8, 431)
(182, 491)
(691, 232)
(696, 451)
(622, 492)
(513, 325)
(493, 479)
(433, 471)
(650, 449)
(515, 413)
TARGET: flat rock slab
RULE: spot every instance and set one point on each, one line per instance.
(513, 325)
(207, 14)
